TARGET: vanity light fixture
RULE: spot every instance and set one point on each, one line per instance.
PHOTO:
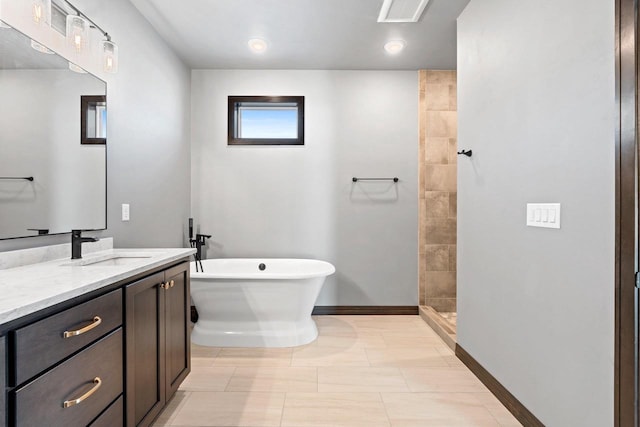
(109, 56)
(76, 69)
(78, 32)
(257, 45)
(394, 46)
(41, 11)
(40, 48)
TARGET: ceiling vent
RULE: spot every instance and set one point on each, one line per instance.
(402, 10)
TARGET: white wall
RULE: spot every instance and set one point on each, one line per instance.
(40, 122)
(284, 201)
(536, 105)
(148, 147)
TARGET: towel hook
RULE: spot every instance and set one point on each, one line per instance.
(466, 153)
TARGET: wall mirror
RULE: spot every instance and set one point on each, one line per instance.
(51, 181)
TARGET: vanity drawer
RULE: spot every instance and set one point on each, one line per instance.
(43, 344)
(112, 417)
(98, 368)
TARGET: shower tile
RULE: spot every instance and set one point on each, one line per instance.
(207, 378)
(334, 409)
(440, 178)
(442, 124)
(453, 204)
(441, 409)
(442, 304)
(440, 76)
(436, 151)
(230, 409)
(453, 151)
(367, 379)
(453, 97)
(254, 357)
(436, 204)
(458, 380)
(437, 96)
(314, 355)
(437, 258)
(441, 284)
(453, 258)
(274, 379)
(440, 231)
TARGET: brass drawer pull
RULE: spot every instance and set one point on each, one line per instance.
(96, 321)
(164, 286)
(68, 403)
(172, 284)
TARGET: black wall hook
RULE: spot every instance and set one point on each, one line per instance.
(466, 153)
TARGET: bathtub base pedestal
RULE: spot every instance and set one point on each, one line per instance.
(237, 334)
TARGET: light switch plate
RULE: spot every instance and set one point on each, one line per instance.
(125, 212)
(545, 215)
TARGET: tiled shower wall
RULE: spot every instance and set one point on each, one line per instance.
(438, 186)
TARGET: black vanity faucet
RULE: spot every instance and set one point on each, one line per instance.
(76, 243)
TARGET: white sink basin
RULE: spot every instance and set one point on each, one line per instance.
(110, 260)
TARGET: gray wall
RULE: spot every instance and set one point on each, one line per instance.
(284, 201)
(536, 105)
(148, 148)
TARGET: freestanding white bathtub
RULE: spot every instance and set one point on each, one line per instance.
(256, 302)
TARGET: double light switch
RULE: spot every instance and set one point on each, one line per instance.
(546, 215)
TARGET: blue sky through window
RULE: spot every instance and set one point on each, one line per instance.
(262, 123)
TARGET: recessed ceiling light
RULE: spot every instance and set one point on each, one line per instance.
(257, 45)
(394, 46)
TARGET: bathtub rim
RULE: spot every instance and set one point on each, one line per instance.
(262, 275)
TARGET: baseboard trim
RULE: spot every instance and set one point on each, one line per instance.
(514, 406)
(365, 309)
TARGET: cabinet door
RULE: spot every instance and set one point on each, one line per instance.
(145, 312)
(177, 327)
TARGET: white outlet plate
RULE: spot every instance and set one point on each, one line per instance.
(545, 215)
(125, 212)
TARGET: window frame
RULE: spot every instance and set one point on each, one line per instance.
(232, 125)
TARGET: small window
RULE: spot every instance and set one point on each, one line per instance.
(266, 120)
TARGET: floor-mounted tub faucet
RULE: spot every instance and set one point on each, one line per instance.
(76, 243)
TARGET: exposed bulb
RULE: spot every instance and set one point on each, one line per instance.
(77, 32)
(109, 56)
(41, 11)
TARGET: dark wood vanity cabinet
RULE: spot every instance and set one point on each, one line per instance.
(112, 358)
(158, 341)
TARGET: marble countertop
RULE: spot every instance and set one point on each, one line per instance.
(29, 288)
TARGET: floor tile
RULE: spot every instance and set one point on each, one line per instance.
(357, 379)
(334, 409)
(254, 357)
(207, 378)
(314, 355)
(447, 379)
(436, 409)
(171, 410)
(230, 409)
(405, 357)
(274, 379)
(356, 341)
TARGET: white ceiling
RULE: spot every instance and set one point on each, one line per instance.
(303, 34)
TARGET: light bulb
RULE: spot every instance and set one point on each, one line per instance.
(41, 11)
(77, 32)
(109, 56)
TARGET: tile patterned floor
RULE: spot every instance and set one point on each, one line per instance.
(361, 371)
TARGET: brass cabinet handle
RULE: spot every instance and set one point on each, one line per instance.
(96, 321)
(164, 286)
(172, 284)
(68, 403)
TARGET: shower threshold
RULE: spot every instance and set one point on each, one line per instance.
(444, 324)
